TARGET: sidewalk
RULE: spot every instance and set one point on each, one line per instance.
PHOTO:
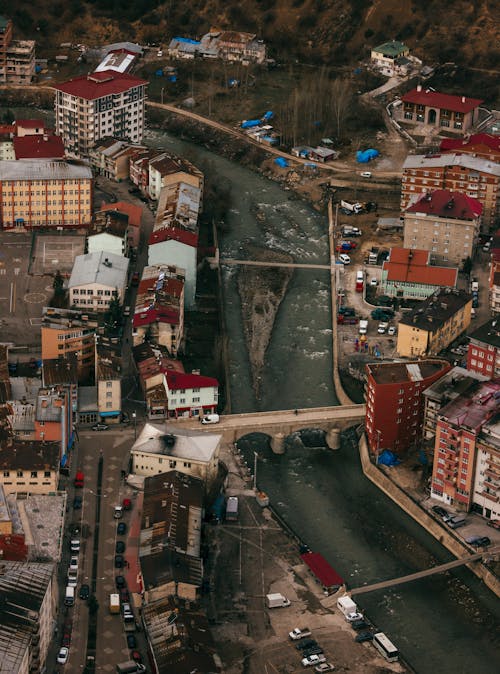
(132, 570)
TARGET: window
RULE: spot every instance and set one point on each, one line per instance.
(109, 405)
(46, 473)
(34, 473)
(109, 384)
(6, 473)
(109, 394)
(19, 473)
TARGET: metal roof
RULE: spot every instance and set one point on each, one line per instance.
(440, 160)
(189, 445)
(93, 268)
(44, 169)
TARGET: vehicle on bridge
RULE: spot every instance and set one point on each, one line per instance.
(210, 419)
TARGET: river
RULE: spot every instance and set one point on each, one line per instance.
(447, 623)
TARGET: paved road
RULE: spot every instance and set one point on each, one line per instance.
(260, 263)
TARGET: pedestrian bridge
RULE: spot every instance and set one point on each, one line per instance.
(282, 423)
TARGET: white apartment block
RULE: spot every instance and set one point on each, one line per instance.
(97, 278)
(99, 105)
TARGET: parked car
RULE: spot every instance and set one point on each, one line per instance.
(374, 282)
(346, 311)
(305, 644)
(384, 301)
(131, 641)
(384, 314)
(494, 523)
(391, 331)
(120, 547)
(363, 636)
(73, 564)
(382, 328)
(84, 592)
(121, 529)
(315, 650)
(360, 624)
(324, 667)
(100, 427)
(478, 541)
(77, 503)
(344, 259)
(475, 302)
(136, 656)
(63, 655)
(119, 561)
(313, 660)
(441, 512)
(210, 419)
(120, 582)
(124, 595)
(66, 640)
(135, 278)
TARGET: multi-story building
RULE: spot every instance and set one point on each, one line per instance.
(45, 193)
(426, 107)
(466, 470)
(483, 355)
(99, 105)
(37, 146)
(166, 170)
(191, 395)
(237, 46)
(17, 57)
(30, 467)
(156, 450)
(388, 56)
(95, 279)
(172, 513)
(64, 332)
(444, 223)
(159, 308)
(54, 418)
(473, 176)
(176, 247)
(408, 273)
(111, 158)
(27, 614)
(394, 402)
(440, 319)
(109, 233)
(109, 389)
(483, 145)
(134, 215)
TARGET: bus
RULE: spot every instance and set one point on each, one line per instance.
(385, 647)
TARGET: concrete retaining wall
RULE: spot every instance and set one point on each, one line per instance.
(447, 538)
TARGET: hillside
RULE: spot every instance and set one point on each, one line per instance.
(466, 32)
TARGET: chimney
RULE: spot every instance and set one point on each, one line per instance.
(419, 87)
(45, 137)
(463, 99)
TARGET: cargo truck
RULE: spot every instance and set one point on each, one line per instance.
(352, 208)
(348, 608)
(114, 603)
(130, 667)
(276, 600)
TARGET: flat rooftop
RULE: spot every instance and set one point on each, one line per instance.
(456, 382)
(187, 445)
(436, 310)
(474, 408)
(488, 333)
(389, 373)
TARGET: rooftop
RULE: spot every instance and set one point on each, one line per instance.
(160, 568)
(413, 266)
(184, 236)
(38, 146)
(98, 85)
(486, 140)
(30, 455)
(102, 268)
(446, 204)
(120, 61)
(326, 575)
(62, 370)
(45, 515)
(182, 444)
(44, 169)
(134, 212)
(414, 161)
(453, 384)
(419, 370)
(184, 380)
(436, 99)
(49, 405)
(488, 333)
(436, 310)
(474, 407)
(391, 49)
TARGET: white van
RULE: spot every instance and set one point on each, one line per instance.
(210, 419)
(359, 276)
(365, 174)
(69, 598)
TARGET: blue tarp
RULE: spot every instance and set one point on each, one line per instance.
(422, 457)
(281, 161)
(250, 123)
(363, 157)
(159, 73)
(172, 78)
(388, 458)
(187, 40)
(269, 115)
(64, 460)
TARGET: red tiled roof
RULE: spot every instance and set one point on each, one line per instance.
(177, 380)
(442, 101)
(30, 123)
(159, 314)
(134, 212)
(7, 129)
(38, 147)
(326, 575)
(446, 204)
(174, 234)
(97, 85)
(412, 266)
(484, 139)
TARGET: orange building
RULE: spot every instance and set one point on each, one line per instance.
(54, 418)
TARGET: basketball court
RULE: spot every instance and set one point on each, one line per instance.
(53, 252)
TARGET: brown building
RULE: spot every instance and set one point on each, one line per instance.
(425, 107)
(483, 145)
(29, 467)
(473, 176)
(444, 223)
(17, 57)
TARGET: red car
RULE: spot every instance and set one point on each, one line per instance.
(79, 479)
(136, 656)
(127, 504)
(66, 640)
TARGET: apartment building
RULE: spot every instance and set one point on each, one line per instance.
(17, 57)
(64, 332)
(483, 355)
(408, 273)
(445, 223)
(395, 404)
(482, 145)
(30, 467)
(177, 247)
(473, 176)
(45, 193)
(54, 418)
(109, 233)
(433, 326)
(426, 107)
(134, 215)
(466, 470)
(111, 158)
(99, 105)
(109, 389)
(166, 170)
(95, 279)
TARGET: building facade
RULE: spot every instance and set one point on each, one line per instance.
(426, 107)
(483, 354)
(109, 391)
(96, 279)
(408, 273)
(176, 247)
(446, 224)
(395, 404)
(65, 333)
(30, 467)
(99, 105)
(37, 194)
(17, 57)
(385, 56)
(433, 326)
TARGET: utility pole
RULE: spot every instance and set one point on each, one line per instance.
(379, 433)
(255, 457)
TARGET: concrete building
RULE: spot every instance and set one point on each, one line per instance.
(426, 107)
(445, 223)
(17, 57)
(482, 145)
(475, 177)
(190, 452)
(38, 146)
(54, 418)
(394, 402)
(45, 193)
(109, 390)
(176, 247)
(238, 46)
(27, 613)
(99, 105)
(172, 514)
(97, 278)
(440, 319)
(111, 158)
(387, 56)
(408, 273)
(30, 467)
(191, 395)
(483, 355)
(466, 470)
(134, 215)
(109, 233)
(166, 170)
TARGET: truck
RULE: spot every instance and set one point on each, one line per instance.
(363, 327)
(299, 633)
(373, 256)
(347, 230)
(347, 606)
(342, 319)
(276, 600)
(79, 479)
(129, 667)
(352, 208)
(114, 603)
(232, 509)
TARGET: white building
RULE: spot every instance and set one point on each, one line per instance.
(98, 105)
(191, 395)
(176, 247)
(108, 243)
(95, 279)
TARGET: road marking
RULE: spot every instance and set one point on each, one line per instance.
(16, 271)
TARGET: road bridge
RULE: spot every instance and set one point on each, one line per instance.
(423, 574)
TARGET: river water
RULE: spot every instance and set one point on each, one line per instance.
(447, 623)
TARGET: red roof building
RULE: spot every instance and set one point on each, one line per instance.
(99, 85)
(432, 108)
(39, 147)
(185, 236)
(408, 273)
(324, 574)
(29, 127)
(484, 145)
(444, 223)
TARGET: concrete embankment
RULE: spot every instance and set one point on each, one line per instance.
(446, 538)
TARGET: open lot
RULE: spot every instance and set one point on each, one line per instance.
(53, 252)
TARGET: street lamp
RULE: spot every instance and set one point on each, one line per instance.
(255, 457)
(134, 417)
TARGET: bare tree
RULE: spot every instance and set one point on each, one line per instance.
(340, 101)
